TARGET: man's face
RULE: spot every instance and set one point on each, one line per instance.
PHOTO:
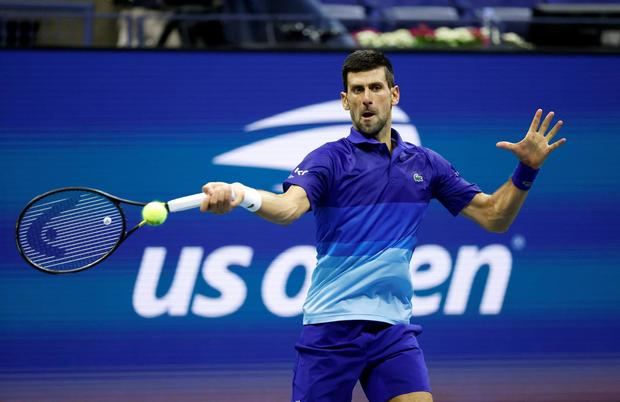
(369, 99)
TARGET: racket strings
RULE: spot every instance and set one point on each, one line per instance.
(69, 230)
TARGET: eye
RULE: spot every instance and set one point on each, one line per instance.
(357, 90)
(377, 87)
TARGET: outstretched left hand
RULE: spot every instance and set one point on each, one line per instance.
(536, 146)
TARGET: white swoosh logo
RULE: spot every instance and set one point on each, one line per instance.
(325, 112)
(285, 151)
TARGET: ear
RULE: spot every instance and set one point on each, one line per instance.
(344, 100)
(395, 92)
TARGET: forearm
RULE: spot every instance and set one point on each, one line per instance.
(221, 198)
(497, 211)
(503, 207)
(278, 208)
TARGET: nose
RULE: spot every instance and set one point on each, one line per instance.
(367, 97)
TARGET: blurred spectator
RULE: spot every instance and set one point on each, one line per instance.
(582, 25)
(19, 32)
(170, 23)
(209, 23)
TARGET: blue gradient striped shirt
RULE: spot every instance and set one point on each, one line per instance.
(368, 205)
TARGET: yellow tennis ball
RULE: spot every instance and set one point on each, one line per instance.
(154, 213)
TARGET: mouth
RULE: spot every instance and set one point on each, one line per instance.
(367, 115)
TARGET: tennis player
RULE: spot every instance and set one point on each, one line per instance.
(368, 193)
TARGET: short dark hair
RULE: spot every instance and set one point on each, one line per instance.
(366, 60)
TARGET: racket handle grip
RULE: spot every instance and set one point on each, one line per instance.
(188, 202)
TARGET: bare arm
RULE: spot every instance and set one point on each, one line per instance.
(277, 208)
(497, 211)
(284, 208)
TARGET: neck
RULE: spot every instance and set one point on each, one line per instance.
(385, 135)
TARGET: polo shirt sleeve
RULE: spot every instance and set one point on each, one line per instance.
(453, 191)
(313, 174)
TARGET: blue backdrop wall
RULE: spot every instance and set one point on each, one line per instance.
(208, 307)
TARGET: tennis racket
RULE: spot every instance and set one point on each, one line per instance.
(75, 228)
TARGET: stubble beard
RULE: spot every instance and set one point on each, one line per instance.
(373, 130)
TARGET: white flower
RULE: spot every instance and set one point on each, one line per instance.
(443, 33)
(463, 35)
(514, 39)
(401, 38)
(446, 35)
(455, 36)
(367, 38)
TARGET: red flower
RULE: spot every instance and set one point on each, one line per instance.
(423, 31)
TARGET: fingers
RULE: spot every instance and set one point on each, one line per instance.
(554, 130)
(218, 198)
(556, 144)
(204, 205)
(545, 123)
(536, 120)
(505, 145)
(238, 194)
(534, 127)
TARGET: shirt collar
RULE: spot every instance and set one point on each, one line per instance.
(358, 138)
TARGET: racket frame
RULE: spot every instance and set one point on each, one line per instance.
(117, 201)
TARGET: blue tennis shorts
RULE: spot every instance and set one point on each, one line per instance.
(333, 356)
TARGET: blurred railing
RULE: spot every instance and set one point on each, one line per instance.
(65, 24)
(73, 26)
(21, 22)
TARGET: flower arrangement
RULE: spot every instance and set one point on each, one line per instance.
(424, 36)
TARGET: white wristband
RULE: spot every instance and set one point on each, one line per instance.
(252, 200)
